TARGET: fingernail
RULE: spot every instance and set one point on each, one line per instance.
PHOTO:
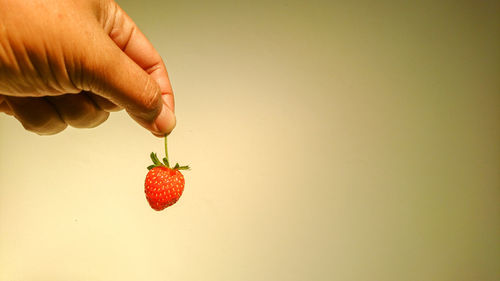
(165, 122)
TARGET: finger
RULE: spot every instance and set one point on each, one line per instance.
(103, 103)
(4, 107)
(36, 115)
(136, 48)
(129, 38)
(78, 110)
(119, 79)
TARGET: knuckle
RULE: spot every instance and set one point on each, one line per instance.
(99, 119)
(47, 127)
(109, 106)
(78, 115)
(89, 120)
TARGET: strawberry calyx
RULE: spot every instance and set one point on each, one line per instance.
(158, 163)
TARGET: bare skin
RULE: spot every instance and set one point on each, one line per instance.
(72, 62)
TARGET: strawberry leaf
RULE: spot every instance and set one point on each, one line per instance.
(151, 167)
(165, 160)
(176, 166)
(155, 159)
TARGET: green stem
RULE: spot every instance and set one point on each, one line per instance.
(166, 150)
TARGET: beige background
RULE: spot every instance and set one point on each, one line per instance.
(329, 141)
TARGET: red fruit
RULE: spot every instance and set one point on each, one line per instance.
(163, 187)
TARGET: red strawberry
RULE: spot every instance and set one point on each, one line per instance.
(164, 185)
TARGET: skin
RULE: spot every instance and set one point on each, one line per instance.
(72, 62)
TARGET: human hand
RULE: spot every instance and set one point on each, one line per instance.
(71, 62)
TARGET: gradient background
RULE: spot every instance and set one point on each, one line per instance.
(329, 141)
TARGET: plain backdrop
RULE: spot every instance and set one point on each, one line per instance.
(329, 140)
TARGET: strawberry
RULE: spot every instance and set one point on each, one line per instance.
(163, 185)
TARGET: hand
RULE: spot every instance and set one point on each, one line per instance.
(71, 62)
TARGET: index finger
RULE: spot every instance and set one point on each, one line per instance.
(127, 36)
